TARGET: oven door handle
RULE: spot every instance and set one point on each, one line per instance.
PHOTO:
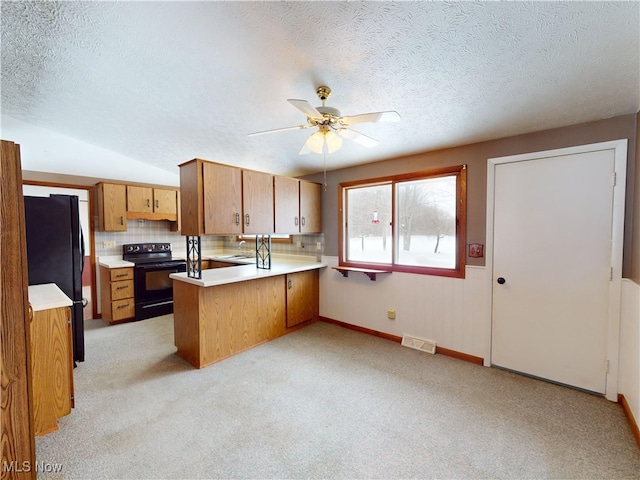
(163, 265)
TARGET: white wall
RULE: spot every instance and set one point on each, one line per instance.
(43, 150)
(629, 375)
(451, 311)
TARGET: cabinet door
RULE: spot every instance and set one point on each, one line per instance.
(139, 199)
(286, 204)
(52, 367)
(257, 202)
(112, 204)
(222, 199)
(303, 298)
(310, 210)
(165, 201)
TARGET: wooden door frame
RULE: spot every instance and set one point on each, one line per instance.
(92, 236)
(617, 241)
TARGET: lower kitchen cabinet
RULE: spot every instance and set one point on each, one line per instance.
(51, 367)
(303, 299)
(116, 294)
(212, 323)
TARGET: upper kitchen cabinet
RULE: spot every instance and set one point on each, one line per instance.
(297, 206)
(160, 201)
(219, 199)
(165, 201)
(222, 197)
(257, 202)
(118, 202)
(310, 209)
(139, 199)
(112, 207)
(211, 198)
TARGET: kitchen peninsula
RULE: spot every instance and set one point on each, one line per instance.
(232, 309)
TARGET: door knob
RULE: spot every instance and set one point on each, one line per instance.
(501, 280)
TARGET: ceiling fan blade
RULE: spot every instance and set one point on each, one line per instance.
(358, 137)
(297, 127)
(306, 108)
(389, 116)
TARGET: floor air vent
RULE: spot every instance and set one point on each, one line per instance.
(428, 346)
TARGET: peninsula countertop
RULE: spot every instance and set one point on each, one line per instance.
(280, 265)
(47, 296)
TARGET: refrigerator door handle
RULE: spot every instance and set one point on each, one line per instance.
(81, 251)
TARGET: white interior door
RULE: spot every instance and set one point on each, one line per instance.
(552, 246)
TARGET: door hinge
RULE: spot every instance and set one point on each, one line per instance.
(611, 273)
(606, 366)
(613, 179)
(72, 397)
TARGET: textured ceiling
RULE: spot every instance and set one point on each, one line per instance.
(164, 82)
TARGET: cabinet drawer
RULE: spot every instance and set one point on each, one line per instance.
(121, 309)
(120, 290)
(118, 274)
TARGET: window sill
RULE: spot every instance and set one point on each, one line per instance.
(371, 273)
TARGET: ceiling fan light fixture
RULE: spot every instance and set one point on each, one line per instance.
(334, 142)
(315, 142)
(332, 126)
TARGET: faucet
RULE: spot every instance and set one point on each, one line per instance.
(242, 242)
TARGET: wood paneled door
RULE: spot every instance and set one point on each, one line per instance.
(16, 421)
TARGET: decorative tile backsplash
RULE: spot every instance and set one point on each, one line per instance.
(150, 231)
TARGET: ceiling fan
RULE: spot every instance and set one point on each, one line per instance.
(332, 127)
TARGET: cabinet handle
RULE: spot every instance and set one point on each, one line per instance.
(157, 203)
(296, 221)
(122, 275)
(121, 287)
(122, 306)
(246, 219)
(121, 220)
(303, 221)
(289, 284)
(237, 219)
(148, 202)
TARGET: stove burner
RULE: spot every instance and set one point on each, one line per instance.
(147, 252)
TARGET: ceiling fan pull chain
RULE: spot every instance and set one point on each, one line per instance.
(325, 171)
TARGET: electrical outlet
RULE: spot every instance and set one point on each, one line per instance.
(108, 244)
(318, 246)
(391, 314)
(299, 244)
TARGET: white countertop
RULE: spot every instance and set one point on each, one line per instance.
(241, 273)
(47, 296)
(114, 261)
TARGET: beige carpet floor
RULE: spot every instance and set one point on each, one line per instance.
(323, 402)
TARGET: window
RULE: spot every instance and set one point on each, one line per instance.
(409, 223)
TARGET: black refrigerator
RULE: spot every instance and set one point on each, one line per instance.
(55, 253)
